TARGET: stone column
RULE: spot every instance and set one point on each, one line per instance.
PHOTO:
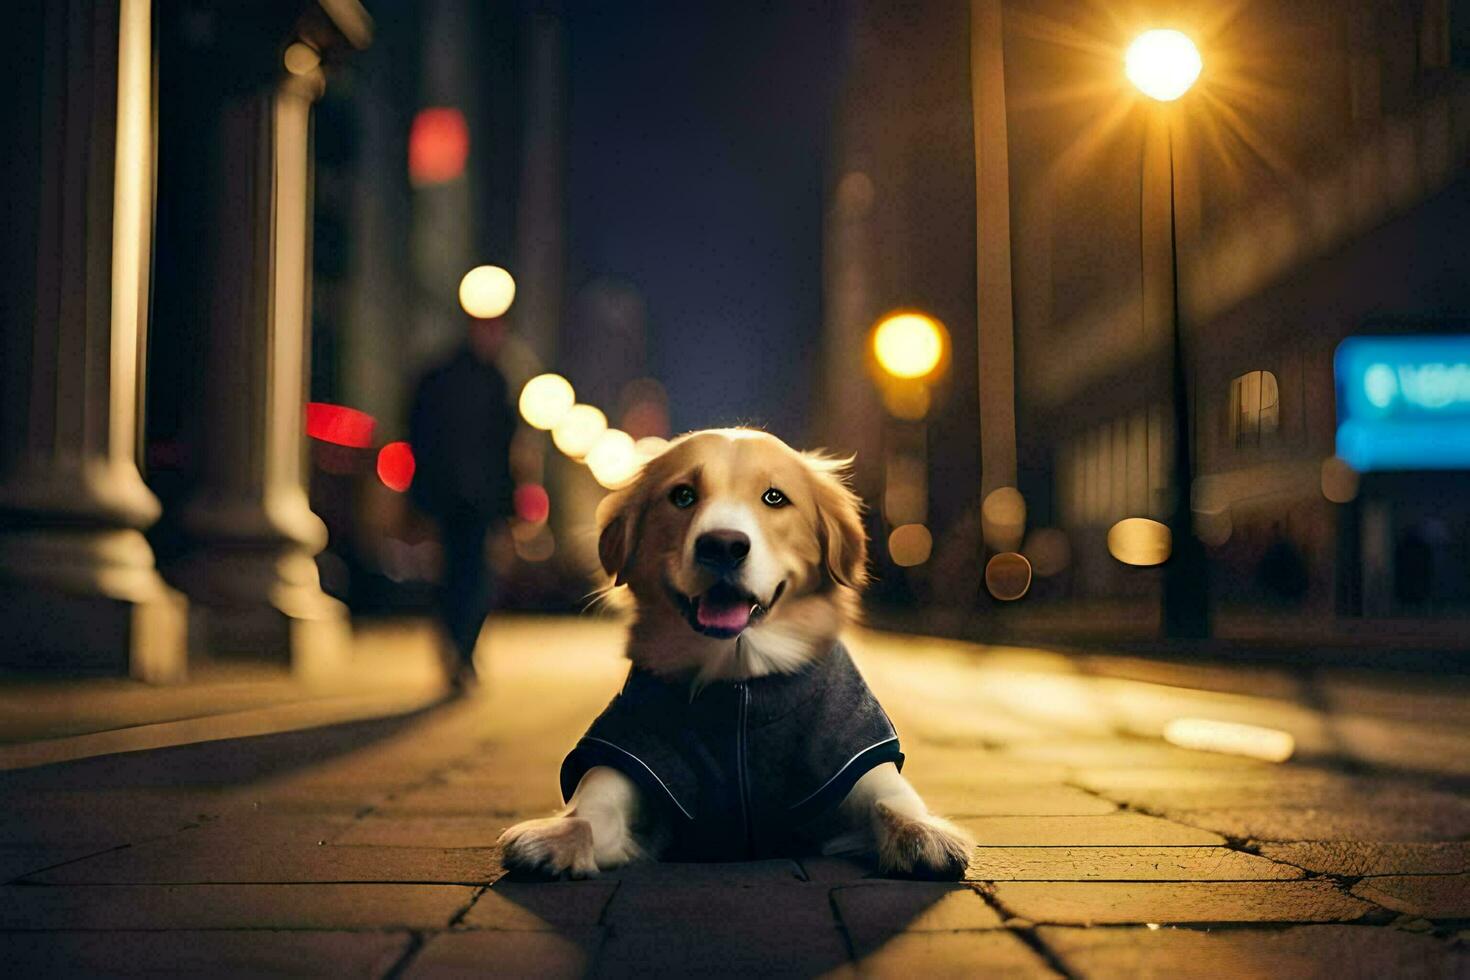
(253, 578)
(77, 580)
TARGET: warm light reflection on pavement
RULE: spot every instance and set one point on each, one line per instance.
(1020, 692)
(1231, 738)
(1084, 815)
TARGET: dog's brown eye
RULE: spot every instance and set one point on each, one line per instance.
(683, 496)
(774, 498)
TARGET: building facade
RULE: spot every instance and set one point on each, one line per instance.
(103, 123)
(1316, 176)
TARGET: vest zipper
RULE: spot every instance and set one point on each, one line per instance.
(742, 778)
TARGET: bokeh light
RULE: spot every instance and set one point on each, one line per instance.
(577, 430)
(340, 425)
(438, 146)
(301, 58)
(910, 345)
(396, 466)
(910, 544)
(1140, 541)
(545, 399)
(1162, 64)
(1008, 576)
(613, 459)
(1003, 519)
(532, 503)
(487, 291)
(650, 446)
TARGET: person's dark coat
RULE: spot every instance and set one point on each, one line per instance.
(460, 428)
(742, 767)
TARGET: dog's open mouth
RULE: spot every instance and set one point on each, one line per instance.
(724, 610)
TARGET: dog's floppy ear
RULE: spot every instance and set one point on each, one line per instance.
(617, 520)
(839, 520)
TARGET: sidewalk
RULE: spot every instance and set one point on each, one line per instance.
(1439, 644)
(369, 851)
(393, 670)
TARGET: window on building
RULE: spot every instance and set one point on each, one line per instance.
(1255, 409)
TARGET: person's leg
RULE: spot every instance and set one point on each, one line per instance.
(465, 590)
(477, 596)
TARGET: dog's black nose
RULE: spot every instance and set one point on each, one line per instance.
(721, 551)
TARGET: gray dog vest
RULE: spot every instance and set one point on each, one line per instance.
(741, 766)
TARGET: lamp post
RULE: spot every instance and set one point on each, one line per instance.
(908, 353)
(1163, 65)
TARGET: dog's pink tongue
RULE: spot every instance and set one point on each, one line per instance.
(721, 613)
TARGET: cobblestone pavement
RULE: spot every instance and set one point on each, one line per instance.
(370, 851)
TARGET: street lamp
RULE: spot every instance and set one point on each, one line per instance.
(908, 353)
(487, 291)
(909, 345)
(545, 399)
(1163, 65)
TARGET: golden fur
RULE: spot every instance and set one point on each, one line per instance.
(815, 545)
(807, 560)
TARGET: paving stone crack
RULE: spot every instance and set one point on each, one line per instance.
(1026, 934)
(415, 943)
(847, 940)
(458, 918)
(20, 879)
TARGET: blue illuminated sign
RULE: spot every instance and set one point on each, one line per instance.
(1403, 403)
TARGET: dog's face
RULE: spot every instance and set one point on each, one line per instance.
(729, 532)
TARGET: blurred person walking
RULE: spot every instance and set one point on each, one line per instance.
(460, 428)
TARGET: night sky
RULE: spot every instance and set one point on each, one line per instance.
(696, 161)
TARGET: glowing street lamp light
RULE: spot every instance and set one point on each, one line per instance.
(487, 291)
(910, 350)
(578, 430)
(910, 345)
(910, 545)
(613, 459)
(301, 59)
(1162, 64)
(545, 399)
(650, 446)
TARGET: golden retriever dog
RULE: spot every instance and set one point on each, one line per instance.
(743, 729)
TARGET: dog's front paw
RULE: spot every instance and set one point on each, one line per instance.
(551, 846)
(619, 850)
(920, 847)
